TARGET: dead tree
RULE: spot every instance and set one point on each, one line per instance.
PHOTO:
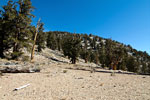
(34, 42)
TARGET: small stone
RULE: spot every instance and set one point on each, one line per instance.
(101, 84)
(80, 78)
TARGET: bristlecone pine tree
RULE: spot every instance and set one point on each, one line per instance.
(41, 38)
(7, 18)
(23, 35)
(132, 64)
(15, 27)
(71, 48)
(51, 40)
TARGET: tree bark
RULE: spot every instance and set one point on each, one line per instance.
(1, 49)
(2, 45)
(34, 42)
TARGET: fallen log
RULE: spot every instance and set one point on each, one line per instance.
(18, 69)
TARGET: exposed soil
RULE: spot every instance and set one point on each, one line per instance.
(59, 80)
(62, 82)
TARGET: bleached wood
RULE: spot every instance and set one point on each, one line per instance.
(21, 87)
(33, 48)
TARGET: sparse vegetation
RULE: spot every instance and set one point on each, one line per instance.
(1, 74)
(64, 71)
(16, 33)
(71, 48)
(25, 58)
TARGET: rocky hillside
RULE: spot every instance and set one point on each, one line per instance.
(41, 60)
(105, 52)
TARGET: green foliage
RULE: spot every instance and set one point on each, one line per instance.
(25, 58)
(144, 68)
(64, 71)
(7, 17)
(84, 54)
(132, 65)
(41, 38)
(1, 74)
(148, 68)
(15, 27)
(102, 53)
(22, 24)
(109, 53)
(94, 57)
(71, 48)
(122, 65)
(95, 49)
(15, 55)
(51, 40)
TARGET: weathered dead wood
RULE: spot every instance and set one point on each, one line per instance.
(34, 42)
(17, 69)
(21, 87)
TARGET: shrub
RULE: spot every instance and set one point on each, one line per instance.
(64, 71)
(1, 74)
(16, 55)
(25, 58)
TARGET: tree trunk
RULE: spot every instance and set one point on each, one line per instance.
(16, 45)
(73, 60)
(2, 46)
(34, 42)
(86, 59)
(1, 50)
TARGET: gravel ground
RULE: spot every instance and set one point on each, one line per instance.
(55, 82)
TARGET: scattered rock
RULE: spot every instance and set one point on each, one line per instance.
(112, 74)
(80, 78)
(101, 84)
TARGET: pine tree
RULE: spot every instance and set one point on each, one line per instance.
(71, 48)
(96, 57)
(92, 56)
(144, 68)
(132, 64)
(102, 54)
(84, 54)
(1, 38)
(109, 51)
(41, 38)
(93, 43)
(7, 16)
(51, 40)
(148, 68)
(22, 26)
(59, 43)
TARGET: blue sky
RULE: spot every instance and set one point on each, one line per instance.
(126, 21)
